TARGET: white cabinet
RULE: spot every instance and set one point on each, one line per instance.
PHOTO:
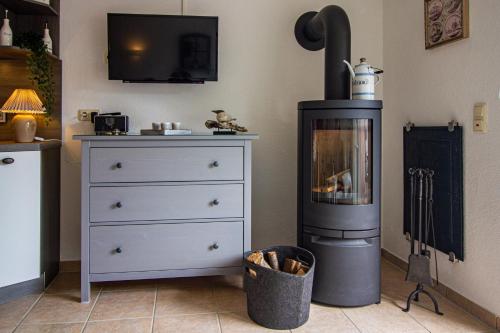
(19, 216)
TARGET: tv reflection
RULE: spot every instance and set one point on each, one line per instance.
(194, 54)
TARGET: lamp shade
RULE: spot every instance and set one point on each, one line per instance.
(23, 101)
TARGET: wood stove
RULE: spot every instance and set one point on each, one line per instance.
(339, 173)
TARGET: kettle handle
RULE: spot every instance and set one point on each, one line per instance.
(377, 71)
(350, 68)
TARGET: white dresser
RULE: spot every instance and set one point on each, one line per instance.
(164, 206)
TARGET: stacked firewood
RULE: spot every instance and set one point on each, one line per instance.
(290, 265)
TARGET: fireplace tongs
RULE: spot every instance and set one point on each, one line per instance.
(419, 268)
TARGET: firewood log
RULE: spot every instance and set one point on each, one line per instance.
(257, 258)
(291, 266)
(303, 270)
(272, 257)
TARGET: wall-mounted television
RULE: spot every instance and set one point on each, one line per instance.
(162, 48)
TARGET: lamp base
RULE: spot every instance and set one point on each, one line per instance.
(25, 127)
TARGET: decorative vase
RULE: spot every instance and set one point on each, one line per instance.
(6, 32)
(24, 127)
(46, 38)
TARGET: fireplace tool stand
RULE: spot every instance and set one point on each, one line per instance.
(419, 263)
(415, 295)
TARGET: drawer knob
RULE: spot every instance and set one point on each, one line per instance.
(118, 165)
(118, 204)
(215, 246)
(215, 164)
(118, 250)
(8, 160)
(215, 202)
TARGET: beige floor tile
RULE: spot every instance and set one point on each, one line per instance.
(128, 285)
(235, 281)
(201, 323)
(187, 282)
(68, 283)
(382, 318)
(453, 320)
(59, 308)
(124, 304)
(230, 299)
(394, 285)
(397, 290)
(323, 319)
(185, 301)
(51, 328)
(12, 312)
(390, 268)
(240, 323)
(141, 325)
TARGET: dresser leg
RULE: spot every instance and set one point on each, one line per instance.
(84, 285)
(85, 296)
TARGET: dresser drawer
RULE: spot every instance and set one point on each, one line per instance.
(133, 203)
(165, 164)
(133, 248)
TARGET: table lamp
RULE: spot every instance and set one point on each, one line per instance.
(25, 103)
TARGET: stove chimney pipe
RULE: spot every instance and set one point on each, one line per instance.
(329, 29)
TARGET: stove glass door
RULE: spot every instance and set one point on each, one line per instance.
(342, 161)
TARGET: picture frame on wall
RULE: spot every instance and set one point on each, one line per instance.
(3, 117)
(445, 21)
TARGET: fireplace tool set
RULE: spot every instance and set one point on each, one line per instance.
(419, 264)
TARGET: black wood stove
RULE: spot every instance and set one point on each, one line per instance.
(339, 172)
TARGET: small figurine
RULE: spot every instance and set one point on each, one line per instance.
(225, 123)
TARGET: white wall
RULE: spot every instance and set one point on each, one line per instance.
(263, 73)
(431, 87)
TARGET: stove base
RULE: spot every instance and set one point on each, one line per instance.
(347, 271)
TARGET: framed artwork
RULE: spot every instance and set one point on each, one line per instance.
(3, 117)
(445, 21)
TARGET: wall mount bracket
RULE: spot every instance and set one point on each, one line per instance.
(452, 257)
(409, 125)
(451, 125)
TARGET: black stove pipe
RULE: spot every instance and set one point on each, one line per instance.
(329, 29)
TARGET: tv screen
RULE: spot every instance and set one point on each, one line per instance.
(162, 48)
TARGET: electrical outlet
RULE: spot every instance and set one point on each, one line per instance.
(85, 114)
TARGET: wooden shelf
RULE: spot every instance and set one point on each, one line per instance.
(15, 53)
(29, 7)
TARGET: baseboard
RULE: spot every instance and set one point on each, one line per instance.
(69, 266)
(17, 290)
(476, 310)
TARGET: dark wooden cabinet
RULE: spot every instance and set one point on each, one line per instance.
(30, 16)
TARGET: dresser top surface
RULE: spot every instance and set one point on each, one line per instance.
(138, 137)
(11, 146)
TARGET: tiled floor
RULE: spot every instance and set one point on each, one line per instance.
(215, 304)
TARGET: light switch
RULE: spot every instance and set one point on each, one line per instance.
(480, 118)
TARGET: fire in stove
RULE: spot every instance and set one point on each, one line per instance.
(341, 157)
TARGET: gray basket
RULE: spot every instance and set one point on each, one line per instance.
(279, 300)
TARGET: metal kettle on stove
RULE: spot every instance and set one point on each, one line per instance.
(364, 79)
